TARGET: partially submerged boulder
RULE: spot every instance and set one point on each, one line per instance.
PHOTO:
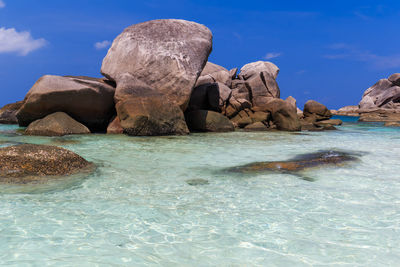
(8, 113)
(208, 121)
(284, 115)
(168, 55)
(29, 163)
(150, 116)
(88, 100)
(56, 124)
(314, 111)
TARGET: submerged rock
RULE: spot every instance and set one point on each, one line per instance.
(299, 163)
(30, 163)
(197, 182)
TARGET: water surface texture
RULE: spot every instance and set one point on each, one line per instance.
(168, 201)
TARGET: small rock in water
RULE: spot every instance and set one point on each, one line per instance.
(197, 182)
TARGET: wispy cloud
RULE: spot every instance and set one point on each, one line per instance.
(272, 55)
(102, 45)
(350, 52)
(2, 4)
(300, 72)
(21, 43)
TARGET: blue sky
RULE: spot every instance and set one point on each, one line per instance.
(329, 51)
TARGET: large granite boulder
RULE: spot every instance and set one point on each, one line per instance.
(8, 113)
(384, 94)
(209, 96)
(284, 115)
(260, 78)
(150, 116)
(56, 124)
(36, 163)
(167, 55)
(314, 111)
(348, 111)
(214, 73)
(208, 121)
(88, 100)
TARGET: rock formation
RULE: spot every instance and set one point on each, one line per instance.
(384, 94)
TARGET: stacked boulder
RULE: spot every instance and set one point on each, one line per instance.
(384, 94)
(249, 99)
(317, 117)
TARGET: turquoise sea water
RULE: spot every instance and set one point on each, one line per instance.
(138, 209)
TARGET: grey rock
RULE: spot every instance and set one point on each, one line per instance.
(255, 68)
(383, 94)
(167, 55)
(292, 101)
(56, 124)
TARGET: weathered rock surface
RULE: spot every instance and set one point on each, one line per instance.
(259, 80)
(35, 163)
(380, 115)
(314, 111)
(384, 94)
(8, 113)
(115, 126)
(209, 96)
(168, 55)
(208, 121)
(284, 115)
(257, 126)
(213, 73)
(88, 100)
(56, 124)
(150, 116)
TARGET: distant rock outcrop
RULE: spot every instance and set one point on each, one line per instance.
(384, 94)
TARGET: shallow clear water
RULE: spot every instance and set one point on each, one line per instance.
(138, 209)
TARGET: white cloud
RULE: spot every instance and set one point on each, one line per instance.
(102, 45)
(2, 4)
(22, 43)
(350, 52)
(272, 55)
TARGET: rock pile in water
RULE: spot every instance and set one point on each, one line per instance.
(159, 82)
